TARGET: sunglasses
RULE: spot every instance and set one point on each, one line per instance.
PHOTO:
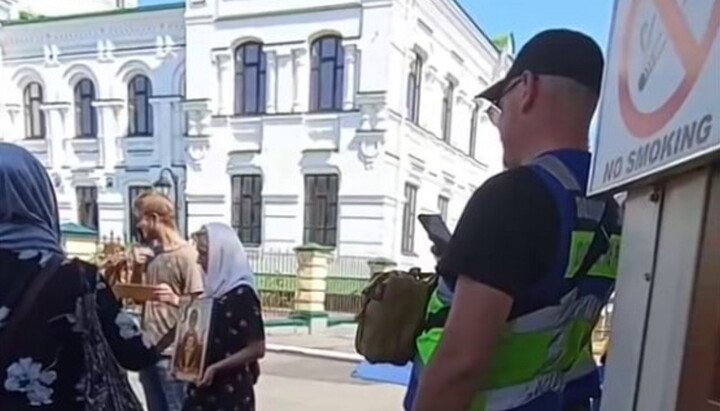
(494, 111)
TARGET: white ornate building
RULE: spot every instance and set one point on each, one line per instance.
(331, 121)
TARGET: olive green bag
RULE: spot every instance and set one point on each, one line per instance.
(392, 316)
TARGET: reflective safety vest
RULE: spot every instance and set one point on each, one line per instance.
(540, 349)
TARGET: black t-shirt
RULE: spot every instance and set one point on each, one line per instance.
(508, 235)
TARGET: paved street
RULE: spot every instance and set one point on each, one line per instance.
(297, 383)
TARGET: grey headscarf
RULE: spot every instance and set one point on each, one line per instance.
(228, 265)
(29, 221)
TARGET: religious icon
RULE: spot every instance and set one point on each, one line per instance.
(191, 340)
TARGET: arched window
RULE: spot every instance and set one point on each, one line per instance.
(85, 117)
(327, 74)
(249, 79)
(140, 113)
(414, 87)
(34, 117)
(447, 110)
(473, 130)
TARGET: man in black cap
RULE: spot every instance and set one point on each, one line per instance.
(527, 271)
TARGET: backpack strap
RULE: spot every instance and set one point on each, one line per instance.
(562, 173)
(600, 243)
(25, 306)
(594, 210)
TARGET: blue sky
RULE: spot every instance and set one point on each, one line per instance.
(526, 17)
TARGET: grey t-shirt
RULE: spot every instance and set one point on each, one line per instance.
(179, 269)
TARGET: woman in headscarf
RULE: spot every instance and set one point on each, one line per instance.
(42, 363)
(237, 339)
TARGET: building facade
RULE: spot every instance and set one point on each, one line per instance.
(328, 121)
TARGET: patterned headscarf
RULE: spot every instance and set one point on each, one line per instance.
(29, 222)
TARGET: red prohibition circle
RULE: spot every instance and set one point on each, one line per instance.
(692, 54)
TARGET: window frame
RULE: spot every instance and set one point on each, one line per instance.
(134, 116)
(238, 196)
(321, 198)
(318, 78)
(184, 115)
(87, 196)
(242, 65)
(82, 110)
(414, 89)
(407, 243)
(447, 111)
(33, 98)
(472, 147)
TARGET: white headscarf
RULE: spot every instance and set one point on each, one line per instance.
(29, 222)
(228, 266)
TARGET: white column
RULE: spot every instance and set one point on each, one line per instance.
(109, 131)
(180, 119)
(271, 92)
(6, 131)
(55, 128)
(430, 107)
(70, 157)
(224, 83)
(162, 119)
(301, 80)
(14, 116)
(350, 77)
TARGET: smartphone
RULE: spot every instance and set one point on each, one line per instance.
(437, 231)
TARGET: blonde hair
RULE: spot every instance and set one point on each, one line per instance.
(150, 203)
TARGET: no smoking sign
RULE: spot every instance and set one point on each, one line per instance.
(661, 98)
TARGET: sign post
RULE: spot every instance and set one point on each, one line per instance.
(659, 140)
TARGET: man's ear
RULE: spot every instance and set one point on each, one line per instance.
(531, 89)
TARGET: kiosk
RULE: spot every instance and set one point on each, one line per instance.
(659, 140)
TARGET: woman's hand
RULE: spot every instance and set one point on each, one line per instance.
(209, 375)
(165, 294)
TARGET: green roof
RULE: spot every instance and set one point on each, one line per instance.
(505, 41)
(27, 18)
(77, 230)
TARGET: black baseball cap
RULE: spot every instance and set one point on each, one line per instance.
(556, 52)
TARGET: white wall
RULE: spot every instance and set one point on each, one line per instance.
(108, 50)
(368, 144)
(452, 49)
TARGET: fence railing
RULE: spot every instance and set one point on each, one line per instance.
(272, 262)
(276, 273)
(349, 267)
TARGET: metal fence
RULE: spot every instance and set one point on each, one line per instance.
(277, 281)
(276, 273)
(349, 267)
(347, 276)
(272, 261)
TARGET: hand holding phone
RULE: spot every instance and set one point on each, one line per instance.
(437, 231)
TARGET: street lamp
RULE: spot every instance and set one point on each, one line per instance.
(164, 185)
